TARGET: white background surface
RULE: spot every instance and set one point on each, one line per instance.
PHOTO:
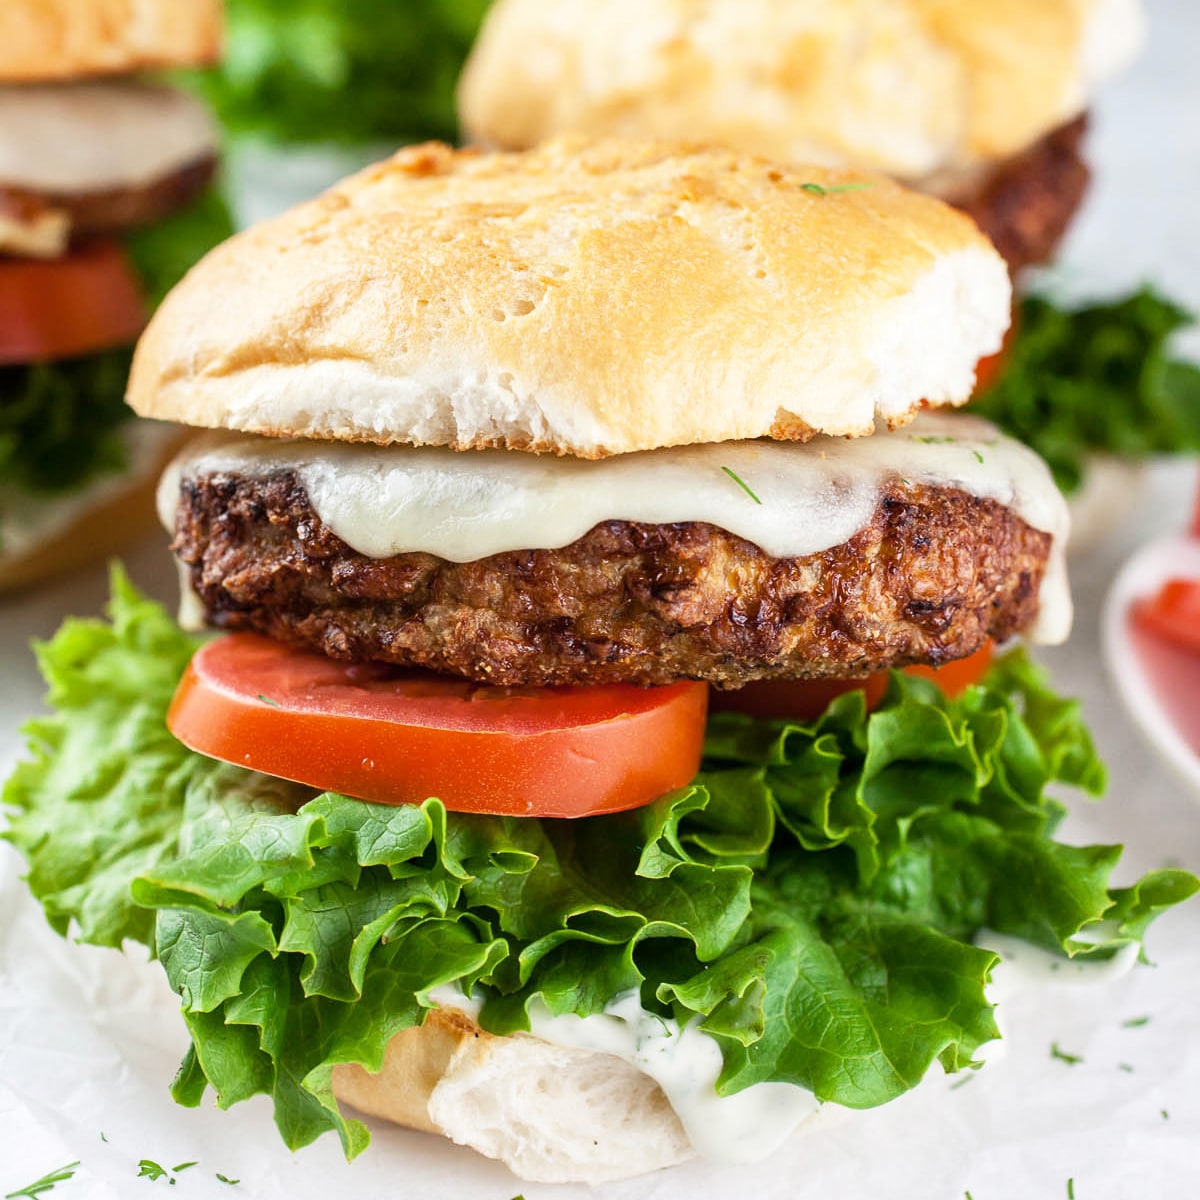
(89, 1040)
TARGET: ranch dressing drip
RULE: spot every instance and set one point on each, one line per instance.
(751, 1124)
(685, 1063)
(788, 498)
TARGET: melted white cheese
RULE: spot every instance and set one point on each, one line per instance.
(787, 498)
(86, 137)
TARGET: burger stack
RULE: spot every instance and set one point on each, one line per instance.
(106, 197)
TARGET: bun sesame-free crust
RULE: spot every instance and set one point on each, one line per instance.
(49, 40)
(582, 298)
(910, 87)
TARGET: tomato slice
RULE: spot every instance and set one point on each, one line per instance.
(955, 677)
(400, 737)
(807, 699)
(1173, 613)
(88, 301)
(988, 370)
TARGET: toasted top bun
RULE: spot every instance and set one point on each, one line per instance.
(584, 299)
(71, 39)
(910, 87)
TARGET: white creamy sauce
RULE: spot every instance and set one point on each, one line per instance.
(751, 1124)
(788, 498)
(685, 1063)
(83, 137)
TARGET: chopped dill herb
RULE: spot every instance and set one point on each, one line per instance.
(225, 1179)
(1135, 1023)
(268, 700)
(818, 189)
(1062, 1056)
(1070, 1189)
(741, 483)
(35, 1189)
(1125, 1067)
(151, 1170)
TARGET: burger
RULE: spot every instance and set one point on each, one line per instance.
(106, 198)
(982, 104)
(512, 461)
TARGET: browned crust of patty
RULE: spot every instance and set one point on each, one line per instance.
(115, 210)
(1026, 203)
(934, 574)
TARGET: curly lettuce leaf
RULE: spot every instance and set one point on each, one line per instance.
(810, 900)
(60, 422)
(343, 71)
(1097, 379)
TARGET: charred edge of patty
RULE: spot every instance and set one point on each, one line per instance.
(933, 575)
(115, 210)
(1026, 203)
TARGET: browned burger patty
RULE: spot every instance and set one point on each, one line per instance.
(933, 575)
(1026, 203)
(115, 210)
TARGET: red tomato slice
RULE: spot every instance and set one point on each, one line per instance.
(399, 737)
(90, 300)
(1174, 613)
(807, 699)
(955, 677)
(988, 370)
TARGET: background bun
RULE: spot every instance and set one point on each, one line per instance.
(552, 1115)
(909, 87)
(582, 298)
(68, 39)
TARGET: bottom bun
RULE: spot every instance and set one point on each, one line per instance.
(551, 1114)
(64, 534)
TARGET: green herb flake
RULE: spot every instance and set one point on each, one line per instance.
(978, 456)
(962, 1083)
(35, 1189)
(968, 1196)
(1070, 1059)
(184, 1166)
(1166, 1116)
(930, 440)
(267, 700)
(1135, 1023)
(226, 1179)
(1070, 1189)
(818, 189)
(151, 1170)
(741, 483)
(102, 1137)
(1125, 1067)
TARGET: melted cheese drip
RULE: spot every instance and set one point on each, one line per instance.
(90, 137)
(789, 499)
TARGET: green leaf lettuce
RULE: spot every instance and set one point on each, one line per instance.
(810, 901)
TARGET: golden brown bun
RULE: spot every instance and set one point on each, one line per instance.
(582, 298)
(72, 39)
(104, 520)
(553, 1115)
(909, 87)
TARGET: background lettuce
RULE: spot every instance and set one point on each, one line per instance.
(1097, 379)
(810, 900)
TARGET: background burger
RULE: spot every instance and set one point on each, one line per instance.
(982, 104)
(106, 198)
(519, 455)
